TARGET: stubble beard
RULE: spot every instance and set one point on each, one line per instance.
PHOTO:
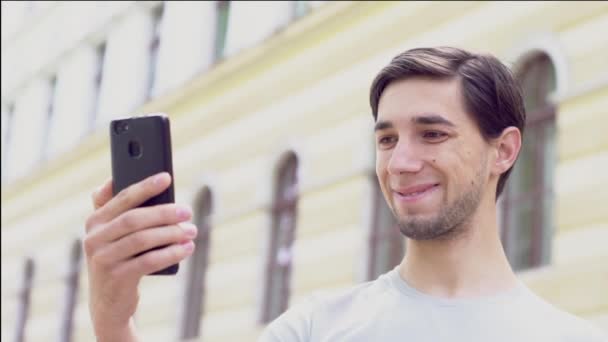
(450, 222)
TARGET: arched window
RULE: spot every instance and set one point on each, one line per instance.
(24, 296)
(100, 52)
(8, 119)
(50, 118)
(221, 29)
(154, 47)
(195, 282)
(71, 293)
(386, 243)
(527, 207)
(279, 258)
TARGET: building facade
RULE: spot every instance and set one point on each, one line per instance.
(273, 149)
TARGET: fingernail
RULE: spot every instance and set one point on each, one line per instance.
(184, 213)
(97, 190)
(158, 179)
(188, 246)
(189, 229)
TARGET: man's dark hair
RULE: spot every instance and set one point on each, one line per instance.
(491, 93)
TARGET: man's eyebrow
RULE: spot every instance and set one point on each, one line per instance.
(382, 125)
(425, 119)
(432, 119)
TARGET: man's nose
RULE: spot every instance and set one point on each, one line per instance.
(405, 158)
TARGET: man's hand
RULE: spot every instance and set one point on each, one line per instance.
(117, 231)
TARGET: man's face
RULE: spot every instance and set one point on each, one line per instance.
(431, 159)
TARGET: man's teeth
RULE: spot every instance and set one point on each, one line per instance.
(412, 193)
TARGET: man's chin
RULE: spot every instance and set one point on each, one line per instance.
(427, 229)
(422, 227)
(412, 217)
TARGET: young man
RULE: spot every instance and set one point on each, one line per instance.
(448, 131)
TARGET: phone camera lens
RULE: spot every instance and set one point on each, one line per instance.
(121, 127)
(135, 149)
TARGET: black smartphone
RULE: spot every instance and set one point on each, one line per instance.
(141, 147)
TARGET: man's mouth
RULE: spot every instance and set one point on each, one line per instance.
(415, 192)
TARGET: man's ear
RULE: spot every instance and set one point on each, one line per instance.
(507, 147)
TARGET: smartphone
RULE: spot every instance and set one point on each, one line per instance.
(141, 147)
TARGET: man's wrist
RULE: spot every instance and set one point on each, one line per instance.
(126, 333)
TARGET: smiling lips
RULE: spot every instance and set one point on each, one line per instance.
(415, 192)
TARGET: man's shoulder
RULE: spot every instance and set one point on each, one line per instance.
(568, 326)
(345, 295)
(330, 301)
(296, 323)
(575, 328)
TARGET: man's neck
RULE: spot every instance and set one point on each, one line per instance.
(473, 264)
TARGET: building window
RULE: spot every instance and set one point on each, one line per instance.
(24, 297)
(157, 16)
(50, 113)
(195, 284)
(282, 235)
(386, 243)
(304, 7)
(528, 200)
(300, 8)
(71, 293)
(99, 68)
(223, 13)
(315, 4)
(8, 128)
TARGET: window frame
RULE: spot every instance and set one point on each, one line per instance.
(24, 299)
(380, 235)
(49, 119)
(282, 237)
(194, 296)
(8, 137)
(538, 119)
(221, 29)
(72, 280)
(100, 54)
(157, 13)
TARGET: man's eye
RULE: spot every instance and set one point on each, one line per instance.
(434, 135)
(386, 140)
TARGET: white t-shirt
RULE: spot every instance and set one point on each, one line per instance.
(387, 310)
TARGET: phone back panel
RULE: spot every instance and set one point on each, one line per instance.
(140, 151)
(141, 147)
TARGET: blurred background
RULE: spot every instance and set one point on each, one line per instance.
(273, 148)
